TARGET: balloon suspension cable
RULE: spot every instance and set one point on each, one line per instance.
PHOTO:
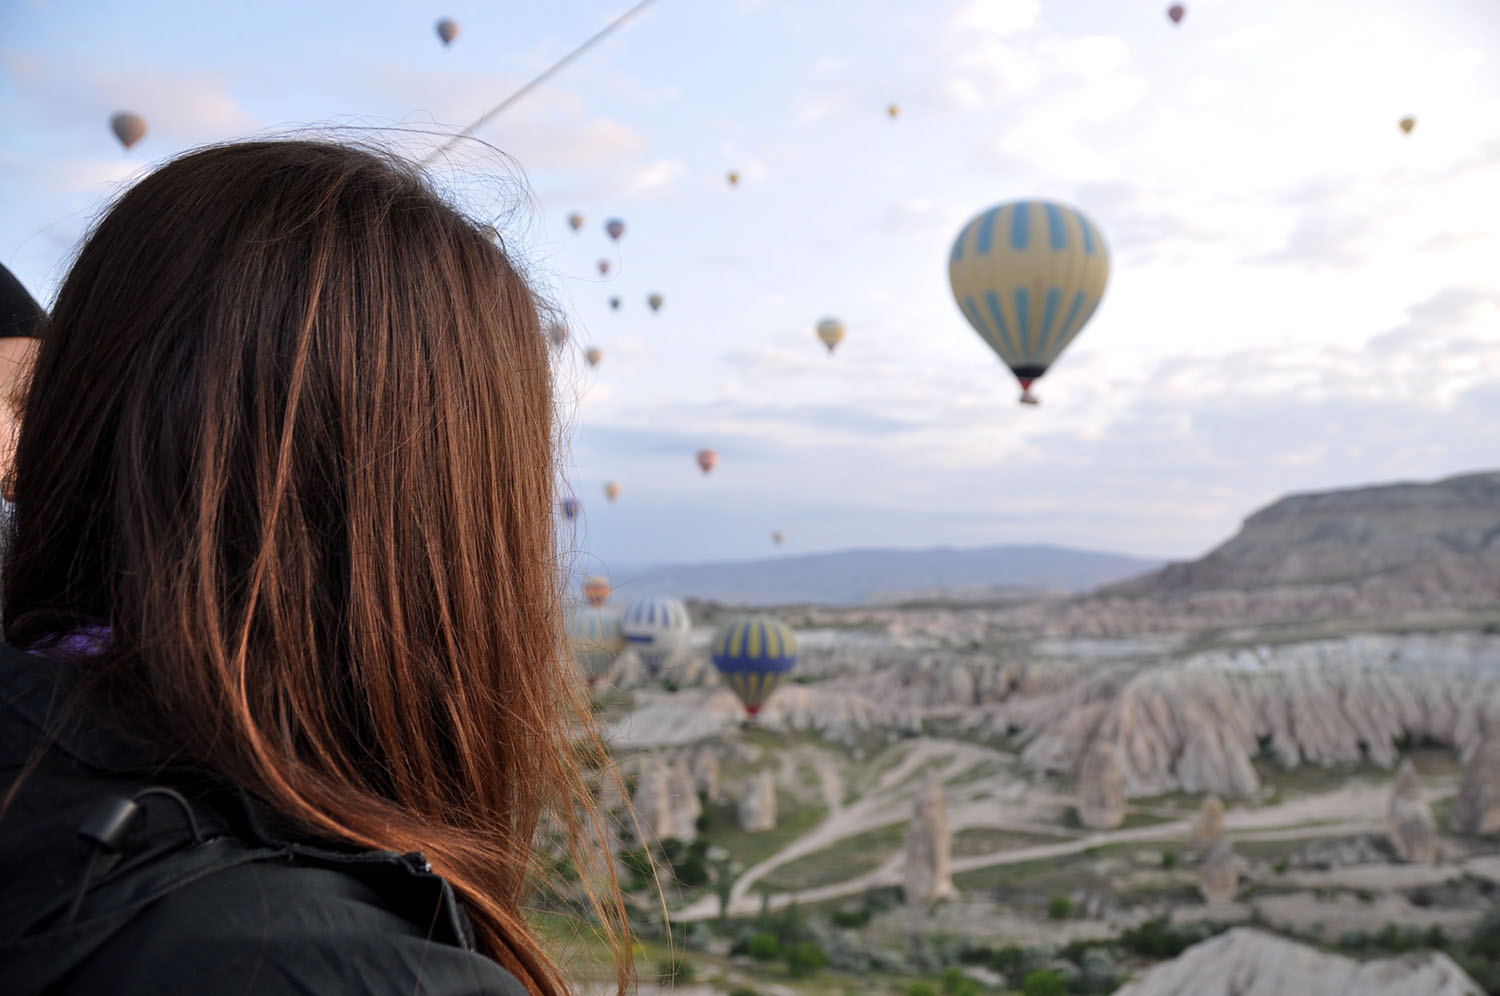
(538, 80)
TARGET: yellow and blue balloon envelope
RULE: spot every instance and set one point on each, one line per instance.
(754, 654)
(1028, 276)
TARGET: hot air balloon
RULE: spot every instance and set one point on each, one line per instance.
(1028, 276)
(604, 268)
(575, 221)
(1407, 124)
(447, 30)
(611, 490)
(571, 508)
(1177, 12)
(778, 537)
(894, 110)
(831, 331)
(707, 459)
(733, 178)
(557, 334)
(754, 654)
(614, 304)
(615, 228)
(596, 590)
(596, 639)
(655, 627)
(655, 302)
(128, 128)
(593, 354)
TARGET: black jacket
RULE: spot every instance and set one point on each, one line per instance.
(231, 906)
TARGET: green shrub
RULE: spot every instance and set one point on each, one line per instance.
(1157, 939)
(951, 978)
(743, 991)
(1044, 982)
(852, 918)
(804, 959)
(1060, 908)
(921, 989)
(968, 987)
(637, 867)
(1007, 961)
(765, 947)
(674, 972)
(1169, 859)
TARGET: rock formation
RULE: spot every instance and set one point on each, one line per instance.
(665, 802)
(706, 773)
(1101, 788)
(1195, 722)
(653, 800)
(757, 809)
(1248, 962)
(1477, 808)
(928, 874)
(1409, 820)
(1208, 828)
(1218, 874)
(686, 806)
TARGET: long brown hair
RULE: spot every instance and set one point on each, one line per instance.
(290, 438)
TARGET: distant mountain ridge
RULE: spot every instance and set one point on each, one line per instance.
(1384, 550)
(853, 577)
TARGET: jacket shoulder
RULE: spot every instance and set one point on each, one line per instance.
(279, 927)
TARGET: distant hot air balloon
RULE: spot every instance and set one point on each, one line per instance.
(611, 490)
(604, 268)
(894, 110)
(575, 221)
(754, 654)
(655, 628)
(1177, 12)
(447, 30)
(596, 638)
(778, 537)
(655, 302)
(831, 331)
(615, 228)
(733, 178)
(1028, 276)
(128, 128)
(593, 354)
(1407, 124)
(596, 590)
(614, 304)
(707, 459)
(571, 508)
(557, 334)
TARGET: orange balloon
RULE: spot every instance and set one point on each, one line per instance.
(597, 590)
(707, 460)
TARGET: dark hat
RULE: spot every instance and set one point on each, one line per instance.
(20, 315)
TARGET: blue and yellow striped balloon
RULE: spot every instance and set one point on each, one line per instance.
(754, 654)
(654, 628)
(597, 638)
(1028, 276)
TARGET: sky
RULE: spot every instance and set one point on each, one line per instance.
(1301, 297)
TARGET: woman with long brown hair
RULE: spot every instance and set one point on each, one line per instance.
(284, 702)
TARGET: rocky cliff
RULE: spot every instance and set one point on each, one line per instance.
(1398, 548)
